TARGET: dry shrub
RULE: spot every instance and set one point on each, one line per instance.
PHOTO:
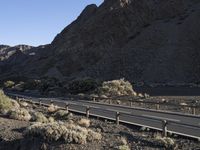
(116, 88)
(20, 114)
(9, 84)
(70, 133)
(52, 108)
(84, 122)
(24, 104)
(123, 144)
(62, 115)
(39, 117)
(165, 141)
(5, 102)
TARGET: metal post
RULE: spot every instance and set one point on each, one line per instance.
(157, 106)
(67, 107)
(110, 101)
(193, 110)
(131, 103)
(117, 118)
(164, 128)
(40, 102)
(51, 102)
(87, 111)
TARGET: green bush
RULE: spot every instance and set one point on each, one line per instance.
(82, 86)
(9, 84)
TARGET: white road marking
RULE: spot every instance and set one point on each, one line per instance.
(162, 118)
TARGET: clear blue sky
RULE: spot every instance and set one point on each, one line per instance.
(37, 22)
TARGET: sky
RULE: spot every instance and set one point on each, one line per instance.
(37, 22)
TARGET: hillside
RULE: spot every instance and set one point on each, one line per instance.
(143, 41)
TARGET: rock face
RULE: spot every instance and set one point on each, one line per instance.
(150, 41)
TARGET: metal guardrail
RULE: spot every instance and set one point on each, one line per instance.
(158, 124)
(132, 100)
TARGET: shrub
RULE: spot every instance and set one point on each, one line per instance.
(32, 84)
(82, 86)
(5, 102)
(9, 84)
(62, 115)
(39, 117)
(52, 108)
(20, 114)
(84, 123)
(165, 141)
(70, 133)
(123, 147)
(116, 88)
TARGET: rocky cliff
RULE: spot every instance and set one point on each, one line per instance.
(150, 41)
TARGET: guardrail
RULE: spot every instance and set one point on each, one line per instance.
(141, 101)
(164, 126)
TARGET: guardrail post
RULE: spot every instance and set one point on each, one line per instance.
(131, 103)
(40, 102)
(51, 102)
(18, 100)
(31, 101)
(157, 106)
(87, 111)
(117, 118)
(67, 107)
(164, 128)
(193, 110)
(110, 102)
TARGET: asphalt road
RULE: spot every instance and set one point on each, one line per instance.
(181, 124)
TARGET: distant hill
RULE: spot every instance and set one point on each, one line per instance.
(143, 41)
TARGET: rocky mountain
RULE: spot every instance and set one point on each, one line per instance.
(150, 41)
(7, 51)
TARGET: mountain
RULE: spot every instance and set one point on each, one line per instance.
(7, 51)
(150, 41)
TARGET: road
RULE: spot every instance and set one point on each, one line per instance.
(181, 124)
